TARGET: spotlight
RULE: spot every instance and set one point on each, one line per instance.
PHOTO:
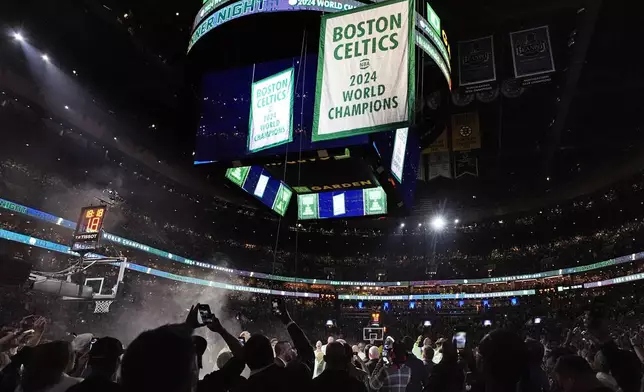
(329, 323)
(18, 37)
(402, 225)
(427, 323)
(45, 58)
(438, 223)
(66, 107)
(456, 221)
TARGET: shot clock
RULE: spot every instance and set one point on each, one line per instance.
(88, 228)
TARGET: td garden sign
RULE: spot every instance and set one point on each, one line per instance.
(365, 70)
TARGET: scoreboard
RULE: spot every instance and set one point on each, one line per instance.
(88, 228)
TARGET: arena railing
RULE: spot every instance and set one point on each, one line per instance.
(28, 211)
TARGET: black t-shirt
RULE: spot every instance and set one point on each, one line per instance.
(96, 384)
(335, 381)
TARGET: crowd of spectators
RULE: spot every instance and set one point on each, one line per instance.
(575, 346)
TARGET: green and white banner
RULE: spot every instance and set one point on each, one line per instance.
(238, 174)
(271, 112)
(282, 199)
(366, 70)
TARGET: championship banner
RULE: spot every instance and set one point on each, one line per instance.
(439, 145)
(398, 156)
(465, 162)
(466, 133)
(366, 71)
(532, 55)
(476, 65)
(440, 165)
(271, 112)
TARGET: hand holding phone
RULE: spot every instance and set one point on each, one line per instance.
(460, 338)
(276, 306)
(206, 315)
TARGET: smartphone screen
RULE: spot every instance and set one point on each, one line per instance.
(487, 323)
(275, 307)
(460, 338)
(205, 313)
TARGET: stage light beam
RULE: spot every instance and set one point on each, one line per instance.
(438, 223)
(45, 58)
(18, 37)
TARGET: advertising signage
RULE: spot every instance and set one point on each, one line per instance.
(271, 111)
(357, 92)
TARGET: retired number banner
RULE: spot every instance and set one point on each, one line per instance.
(366, 73)
(271, 112)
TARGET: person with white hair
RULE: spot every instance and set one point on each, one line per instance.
(329, 340)
(374, 357)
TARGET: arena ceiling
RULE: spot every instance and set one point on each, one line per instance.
(575, 134)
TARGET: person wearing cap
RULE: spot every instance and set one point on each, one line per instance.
(103, 361)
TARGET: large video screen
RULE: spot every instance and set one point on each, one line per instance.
(223, 128)
(342, 204)
(258, 182)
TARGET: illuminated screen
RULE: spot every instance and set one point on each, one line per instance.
(34, 213)
(249, 7)
(342, 204)
(398, 157)
(223, 129)
(256, 181)
(91, 220)
(88, 228)
(431, 50)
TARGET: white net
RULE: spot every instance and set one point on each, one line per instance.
(102, 306)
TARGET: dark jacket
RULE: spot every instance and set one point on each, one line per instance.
(624, 366)
(271, 379)
(419, 375)
(224, 379)
(336, 381)
(447, 376)
(96, 384)
(371, 365)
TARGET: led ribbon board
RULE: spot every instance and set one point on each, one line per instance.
(34, 213)
(271, 112)
(398, 156)
(37, 242)
(357, 92)
(430, 49)
(342, 204)
(250, 7)
(258, 182)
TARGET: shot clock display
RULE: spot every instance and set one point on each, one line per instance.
(88, 229)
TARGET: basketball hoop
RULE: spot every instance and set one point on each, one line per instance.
(102, 306)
